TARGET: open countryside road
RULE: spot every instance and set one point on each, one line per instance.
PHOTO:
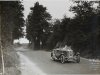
(46, 65)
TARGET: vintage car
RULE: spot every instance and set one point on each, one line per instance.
(65, 54)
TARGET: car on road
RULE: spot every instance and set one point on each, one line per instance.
(65, 54)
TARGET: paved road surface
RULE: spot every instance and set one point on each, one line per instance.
(43, 61)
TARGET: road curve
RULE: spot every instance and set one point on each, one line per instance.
(43, 61)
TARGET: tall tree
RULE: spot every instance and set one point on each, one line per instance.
(84, 27)
(18, 21)
(59, 32)
(12, 21)
(37, 23)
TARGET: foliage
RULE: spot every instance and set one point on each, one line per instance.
(12, 21)
(37, 25)
(82, 32)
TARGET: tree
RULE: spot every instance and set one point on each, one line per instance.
(18, 21)
(37, 25)
(55, 37)
(84, 28)
(12, 21)
(59, 32)
(82, 32)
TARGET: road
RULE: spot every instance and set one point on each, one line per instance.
(43, 61)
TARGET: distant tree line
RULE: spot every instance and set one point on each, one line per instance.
(11, 16)
(82, 32)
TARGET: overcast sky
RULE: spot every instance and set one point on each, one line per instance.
(57, 8)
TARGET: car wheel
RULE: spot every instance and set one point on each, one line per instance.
(52, 57)
(62, 59)
(78, 59)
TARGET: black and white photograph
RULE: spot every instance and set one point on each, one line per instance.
(49, 37)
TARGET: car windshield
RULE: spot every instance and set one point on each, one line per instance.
(62, 47)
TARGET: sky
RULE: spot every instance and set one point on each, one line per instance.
(57, 8)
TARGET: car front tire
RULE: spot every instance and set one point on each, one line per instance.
(52, 57)
(78, 59)
(62, 59)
